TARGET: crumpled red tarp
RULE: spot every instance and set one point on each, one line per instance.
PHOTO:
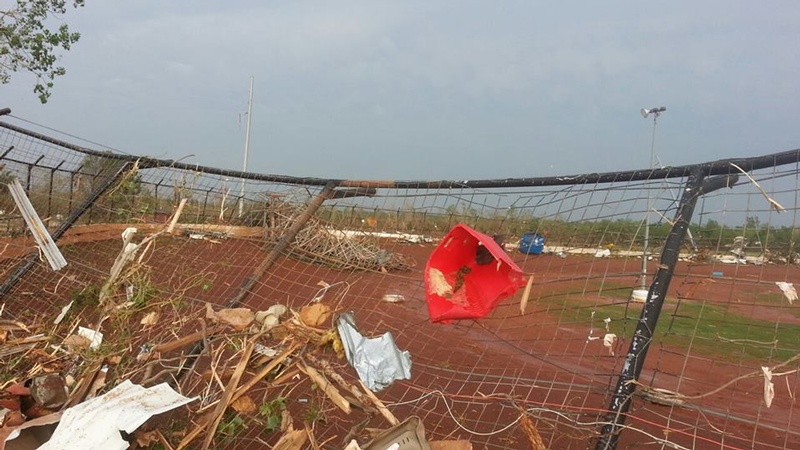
(457, 287)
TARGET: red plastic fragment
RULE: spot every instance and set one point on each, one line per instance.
(458, 287)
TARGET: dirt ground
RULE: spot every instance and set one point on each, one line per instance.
(469, 378)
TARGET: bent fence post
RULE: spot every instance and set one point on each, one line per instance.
(643, 335)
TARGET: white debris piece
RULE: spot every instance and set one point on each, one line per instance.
(410, 238)
(263, 350)
(394, 298)
(353, 445)
(38, 230)
(63, 313)
(96, 423)
(591, 336)
(608, 341)
(788, 290)
(769, 388)
(604, 253)
(95, 338)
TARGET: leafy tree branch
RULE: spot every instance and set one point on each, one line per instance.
(29, 44)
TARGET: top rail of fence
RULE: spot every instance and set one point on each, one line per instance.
(718, 167)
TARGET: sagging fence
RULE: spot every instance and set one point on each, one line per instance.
(705, 356)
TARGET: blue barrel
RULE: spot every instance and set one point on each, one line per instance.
(532, 243)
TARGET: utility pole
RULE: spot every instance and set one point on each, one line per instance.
(246, 144)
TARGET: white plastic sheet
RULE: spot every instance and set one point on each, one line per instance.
(788, 290)
(96, 423)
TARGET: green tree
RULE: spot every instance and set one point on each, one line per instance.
(126, 197)
(29, 44)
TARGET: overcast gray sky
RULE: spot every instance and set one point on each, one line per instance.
(429, 89)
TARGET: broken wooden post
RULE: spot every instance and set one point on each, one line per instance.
(299, 222)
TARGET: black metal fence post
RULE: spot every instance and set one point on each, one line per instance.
(642, 337)
(50, 190)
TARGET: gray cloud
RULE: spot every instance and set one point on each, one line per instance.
(429, 89)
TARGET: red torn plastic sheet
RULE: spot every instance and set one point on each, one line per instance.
(457, 287)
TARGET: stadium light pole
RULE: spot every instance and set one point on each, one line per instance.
(655, 112)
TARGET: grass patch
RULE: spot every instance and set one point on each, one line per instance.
(272, 412)
(88, 296)
(722, 332)
(709, 329)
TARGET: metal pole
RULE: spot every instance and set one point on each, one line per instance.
(642, 337)
(647, 211)
(246, 143)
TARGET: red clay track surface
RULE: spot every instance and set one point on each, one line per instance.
(470, 378)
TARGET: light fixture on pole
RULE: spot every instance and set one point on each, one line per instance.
(641, 293)
(654, 111)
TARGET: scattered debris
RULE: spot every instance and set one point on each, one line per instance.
(438, 284)
(245, 350)
(379, 404)
(608, 341)
(526, 294)
(95, 338)
(270, 318)
(27, 435)
(661, 396)
(738, 246)
(788, 290)
(49, 392)
(532, 243)
(377, 361)
(320, 244)
(238, 318)
(531, 432)
(315, 314)
(777, 206)
(63, 313)
(292, 440)
(450, 445)
(150, 319)
(604, 253)
(458, 287)
(730, 259)
(96, 423)
(125, 258)
(176, 215)
(37, 228)
(393, 298)
(329, 389)
(404, 237)
(408, 435)
(769, 388)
